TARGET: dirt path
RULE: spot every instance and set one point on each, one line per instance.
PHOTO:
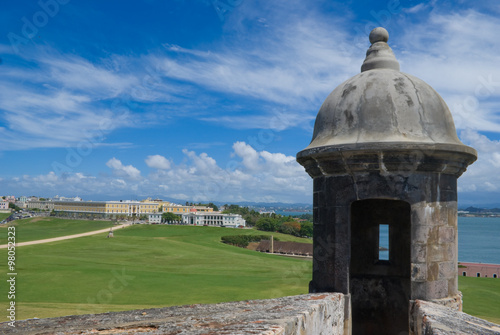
(61, 238)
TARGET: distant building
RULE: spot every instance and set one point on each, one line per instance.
(39, 204)
(23, 199)
(168, 207)
(155, 218)
(4, 206)
(479, 270)
(104, 209)
(21, 204)
(58, 198)
(213, 219)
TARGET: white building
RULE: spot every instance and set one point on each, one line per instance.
(4, 206)
(40, 204)
(213, 219)
(155, 218)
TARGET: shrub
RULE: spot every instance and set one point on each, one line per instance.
(267, 224)
(243, 240)
(291, 228)
(306, 229)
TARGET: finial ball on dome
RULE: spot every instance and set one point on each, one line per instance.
(379, 35)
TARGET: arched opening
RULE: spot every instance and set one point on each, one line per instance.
(380, 283)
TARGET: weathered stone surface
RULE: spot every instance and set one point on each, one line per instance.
(312, 314)
(428, 318)
(453, 302)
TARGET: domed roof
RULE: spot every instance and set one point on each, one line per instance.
(382, 105)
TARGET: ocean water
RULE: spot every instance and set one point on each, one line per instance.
(478, 240)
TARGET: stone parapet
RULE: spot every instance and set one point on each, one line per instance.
(428, 318)
(312, 314)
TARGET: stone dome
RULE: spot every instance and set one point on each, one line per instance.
(383, 105)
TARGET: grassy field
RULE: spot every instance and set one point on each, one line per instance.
(39, 228)
(481, 297)
(3, 216)
(148, 266)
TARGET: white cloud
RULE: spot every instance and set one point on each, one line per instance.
(416, 9)
(158, 162)
(481, 178)
(266, 177)
(456, 53)
(248, 154)
(119, 169)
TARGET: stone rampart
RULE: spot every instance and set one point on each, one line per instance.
(428, 318)
(311, 314)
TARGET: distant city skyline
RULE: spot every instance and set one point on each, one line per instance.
(211, 100)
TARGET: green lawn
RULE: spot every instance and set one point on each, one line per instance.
(481, 297)
(148, 266)
(3, 216)
(39, 228)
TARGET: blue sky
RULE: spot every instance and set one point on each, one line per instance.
(211, 99)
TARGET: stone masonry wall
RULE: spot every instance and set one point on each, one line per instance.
(309, 314)
(312, 314)
(428, 318)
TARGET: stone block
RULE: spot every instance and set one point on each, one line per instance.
(447, 270)
(436, 253)
(424, 233)
(418, 272)
(453, 286)
(340, 190)
(418, 290)
(418, 253)
(432, 271)
(319, 184)
(437, 289)
(446, 235)
(319, 216)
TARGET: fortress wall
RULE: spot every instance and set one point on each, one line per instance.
(309, 314)
(432, 319)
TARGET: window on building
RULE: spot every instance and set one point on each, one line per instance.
(464, 273)
(383, 242)
(494, 275)
(478, 274)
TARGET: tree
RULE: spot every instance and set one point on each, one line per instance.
(306, 229)
(168, 217)
(213, 206)
(267, 224)
(13, 206)
(291, 228)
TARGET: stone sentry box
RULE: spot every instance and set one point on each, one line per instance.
(385, 152)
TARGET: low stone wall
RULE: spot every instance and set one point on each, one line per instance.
(290, 248)
(428, 318)
(311, 314)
